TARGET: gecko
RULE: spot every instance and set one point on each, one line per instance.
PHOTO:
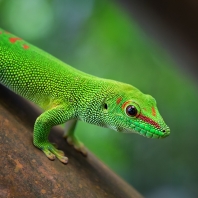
(67, 95)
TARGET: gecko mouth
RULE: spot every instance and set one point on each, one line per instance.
(155, 133)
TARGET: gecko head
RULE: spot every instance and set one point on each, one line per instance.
(132, 111)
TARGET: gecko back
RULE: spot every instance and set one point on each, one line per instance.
(33, 73)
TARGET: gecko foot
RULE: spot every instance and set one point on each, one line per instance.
(79, 146)
(51, 152)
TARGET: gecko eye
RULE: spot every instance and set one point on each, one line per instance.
(131, 111)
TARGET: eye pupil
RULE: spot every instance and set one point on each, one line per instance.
(105, 106)
(131, 111)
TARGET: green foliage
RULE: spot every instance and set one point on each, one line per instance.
(30, 19)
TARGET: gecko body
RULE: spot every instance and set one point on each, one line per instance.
(66, 95)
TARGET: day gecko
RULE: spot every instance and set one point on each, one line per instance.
(67, 95)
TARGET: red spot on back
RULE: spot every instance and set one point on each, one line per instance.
(124, 105)
(118, 100)
(153, 111)
(13, 40)
(25, 46)
(148, 120)
(0, 32)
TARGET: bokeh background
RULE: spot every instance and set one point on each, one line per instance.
(127, 42)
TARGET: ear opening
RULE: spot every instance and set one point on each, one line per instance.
(105, 106)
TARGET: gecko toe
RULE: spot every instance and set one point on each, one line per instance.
(51, 152)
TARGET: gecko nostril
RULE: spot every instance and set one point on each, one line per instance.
(163, 130)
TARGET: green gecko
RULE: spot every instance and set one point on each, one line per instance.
(66, 95)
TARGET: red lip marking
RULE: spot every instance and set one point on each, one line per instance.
(148, 120)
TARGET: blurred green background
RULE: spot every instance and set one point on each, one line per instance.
(98, 37)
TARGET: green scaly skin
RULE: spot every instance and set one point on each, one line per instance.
(67, 94)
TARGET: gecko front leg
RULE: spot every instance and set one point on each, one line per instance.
(58, 115)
